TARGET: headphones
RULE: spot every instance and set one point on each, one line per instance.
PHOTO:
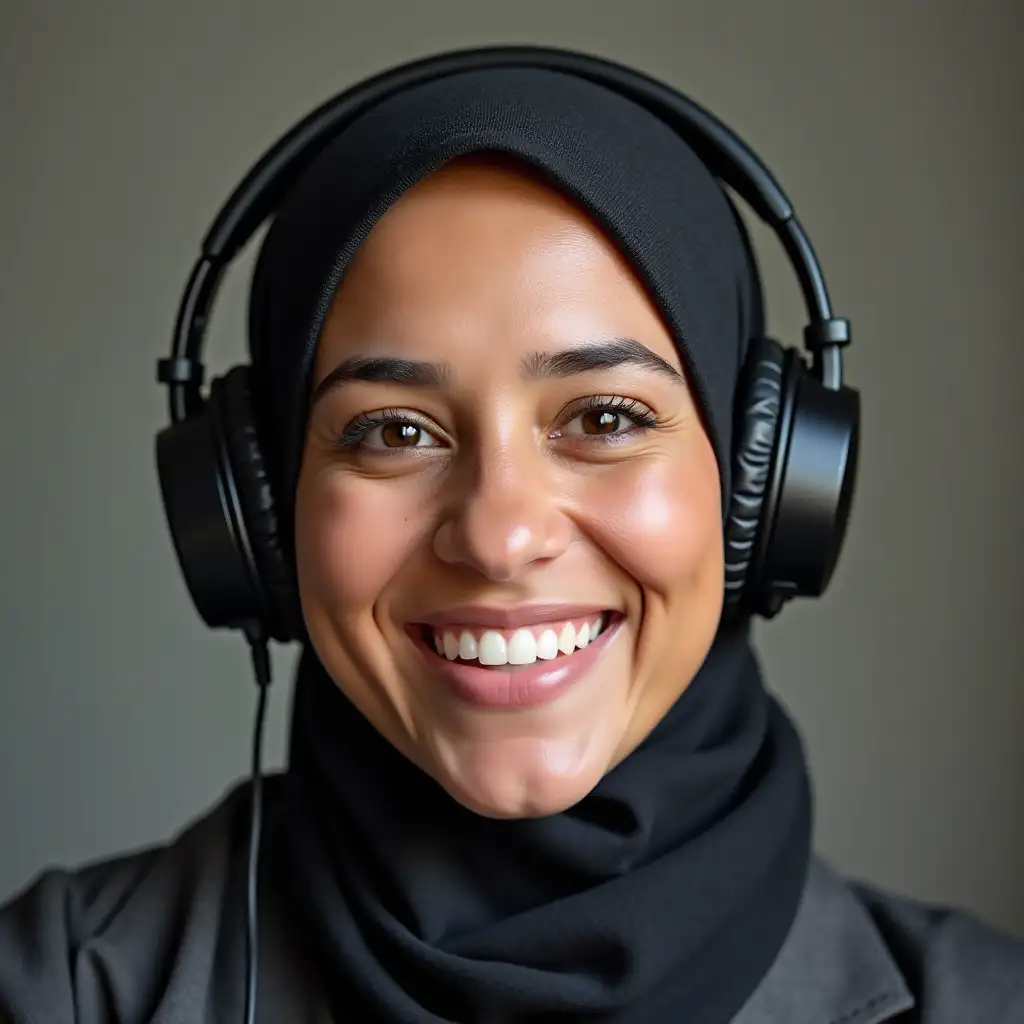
(797, 425)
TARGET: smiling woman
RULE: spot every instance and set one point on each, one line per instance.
(479, 458)
(508, 539)
(515, 465)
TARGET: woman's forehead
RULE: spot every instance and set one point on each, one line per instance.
(477, 220)
(481, 252)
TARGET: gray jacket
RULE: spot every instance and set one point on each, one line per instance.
(156, 937)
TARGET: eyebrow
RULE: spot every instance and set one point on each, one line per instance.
(604, 355)
(382, 370)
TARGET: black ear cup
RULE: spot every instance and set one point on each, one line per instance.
(793, 475)
(755, 434)
(256, 498)
(220, 513)
(807, 507)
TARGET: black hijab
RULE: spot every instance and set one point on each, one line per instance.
(666, 893)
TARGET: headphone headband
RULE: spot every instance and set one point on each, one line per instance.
(726, 155)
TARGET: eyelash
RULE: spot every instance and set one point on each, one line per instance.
(643, 418)
(637, 412)
(354, 433)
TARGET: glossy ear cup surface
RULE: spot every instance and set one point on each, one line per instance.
(816, 474)
(204, 521)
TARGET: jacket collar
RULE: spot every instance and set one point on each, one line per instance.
(832, 967)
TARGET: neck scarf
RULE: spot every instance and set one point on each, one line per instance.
(666, 893)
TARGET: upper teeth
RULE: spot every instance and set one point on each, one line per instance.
(522, 647)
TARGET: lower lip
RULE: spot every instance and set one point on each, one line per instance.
(529, 687)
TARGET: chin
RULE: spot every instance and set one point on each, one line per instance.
(515, 779)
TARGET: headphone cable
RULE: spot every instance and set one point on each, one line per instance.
(261, 668)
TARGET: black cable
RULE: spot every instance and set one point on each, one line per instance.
(261, 668)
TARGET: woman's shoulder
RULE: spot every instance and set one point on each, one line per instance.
(859, 953)
(959, 967)
(99, 942)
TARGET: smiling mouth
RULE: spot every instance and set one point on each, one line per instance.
(517, 648)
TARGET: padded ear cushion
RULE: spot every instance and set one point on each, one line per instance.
(257, 501)
(756, 433)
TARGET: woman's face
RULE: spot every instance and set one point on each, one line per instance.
(508, 520)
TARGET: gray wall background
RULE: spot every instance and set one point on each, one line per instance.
(894, 125)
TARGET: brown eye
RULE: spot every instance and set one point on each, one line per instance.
(388, 431)
(607, 418)
(600, 421)
(401, 435)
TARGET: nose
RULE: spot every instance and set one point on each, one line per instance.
(506, 518)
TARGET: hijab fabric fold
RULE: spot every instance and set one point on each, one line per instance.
(666, 893)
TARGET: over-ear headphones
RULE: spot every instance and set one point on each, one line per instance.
(796, 436)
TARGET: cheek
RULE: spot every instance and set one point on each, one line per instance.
(661, 521)
(352, 538)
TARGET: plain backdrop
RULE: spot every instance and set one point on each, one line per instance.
(895, 127)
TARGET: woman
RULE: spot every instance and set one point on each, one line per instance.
(497, 331)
